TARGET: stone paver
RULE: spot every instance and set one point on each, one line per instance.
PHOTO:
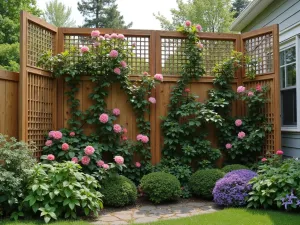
(150, 213)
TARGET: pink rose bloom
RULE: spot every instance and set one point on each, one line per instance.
(228, 146)
(263, 159)
(258, 88)
(279, 152)
(137, 164)
(188, 23)
(250, 93)
(101, 38)
(199, 27)
(117, 71)
(116, 111)
(105, 166)
(240, 89)
(74, 159)
(107, 36)
(48, 143)
(139, 137)
(133, 44)
(113, 54)
(199, 45)
(96, 44)
(187, 90)
(241, 135)
(145, 73)
(103, 118)
(152, 100)
(50, 157)
(238, 122)
(64, 146)
(50, 135)
(159, 77)
(117, 128)
(145, 139)
(121, 36)
(123, 64)
(85, 160)
(124, 138)
(57, 135)
(84, 49)
(124, 130)
(119, 159)
(95, 33)
(72, 134)
(113, 36)
(89, 150)
(100, 163)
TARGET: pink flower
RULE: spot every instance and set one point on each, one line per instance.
(48, 143)
(107, 36)
(145, 139)
(124, 130)
(119, 159)
(263, 159)
(84, 49)
(238, 122)
(50, 135)
(124, 138)
(103, 118)
(159, 77)
(89, 150)
(187, 90)
(188, 23)
(145, 73)
(100, 163)
(117, 128)
(138, 164)
(114, 36)
(105, 166)
(258, 88)
(64, 146)
(95, 33)
(199, 45)
(250, 93)
(199, 27)
(57, 135)
(117, 71)
(241, 135)
(123, 64)
(85, 160)
(116, 111)
(101, 38)
(139, 137)
(121, 36)
(279, 152)
(133, 44)
(113, 54)
(74, 159)
(50, 157)
(228, 146)
(240, 89)
(152, 100)
(72, 134)
(96, 44)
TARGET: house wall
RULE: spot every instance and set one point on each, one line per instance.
(286, 13)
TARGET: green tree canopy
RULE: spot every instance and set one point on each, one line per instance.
(238, 6)
(101, 13)
(58, 14)
(213, 15)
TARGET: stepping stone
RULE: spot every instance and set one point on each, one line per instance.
(109, 218)
(146, 219)
(147, 208)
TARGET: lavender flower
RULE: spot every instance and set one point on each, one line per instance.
(289, 200)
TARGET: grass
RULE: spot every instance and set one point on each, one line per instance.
(223, 217)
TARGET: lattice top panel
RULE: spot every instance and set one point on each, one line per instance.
(139, 62)
(260, 50)
(173, 57)
(39, 40)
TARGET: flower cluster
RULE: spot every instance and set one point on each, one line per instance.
(290, 200)
(143, 138)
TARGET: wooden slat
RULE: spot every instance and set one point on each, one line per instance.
(8, 75)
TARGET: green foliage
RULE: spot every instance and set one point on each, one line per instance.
(58, 14)
(213, 15)
(10, 57)
(16, 159)
(160, 187)
(101, 14)
(232, 167)
(276, 179)
(62, 191)
(118, 191)
(238, 6)
(202, 182)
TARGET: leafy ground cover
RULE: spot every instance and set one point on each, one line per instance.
(27, 222)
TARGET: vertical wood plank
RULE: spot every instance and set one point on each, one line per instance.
(11, 109)
(2, 106)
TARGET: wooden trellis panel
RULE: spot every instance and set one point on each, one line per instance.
(37, 88)
(263, 46)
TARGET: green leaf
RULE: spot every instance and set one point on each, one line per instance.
(47, 219)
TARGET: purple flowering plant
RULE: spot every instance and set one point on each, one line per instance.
(290, 201)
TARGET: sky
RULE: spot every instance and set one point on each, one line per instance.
(140, 12)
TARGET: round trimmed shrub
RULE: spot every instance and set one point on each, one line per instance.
(202, 182)
(229, 168)
(118, 191)
(233, 189)
(160, 187)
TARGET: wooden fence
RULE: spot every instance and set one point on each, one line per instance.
(43, 105)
